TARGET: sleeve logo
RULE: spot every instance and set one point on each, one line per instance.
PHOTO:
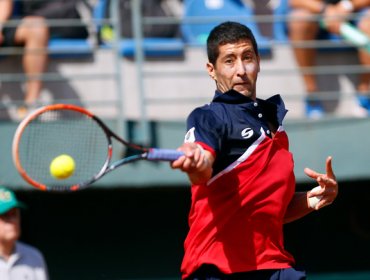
(190, 136)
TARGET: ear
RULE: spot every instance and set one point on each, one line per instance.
(211, 70)
(258, 67)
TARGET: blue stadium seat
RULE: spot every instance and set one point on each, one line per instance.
(70, 48)
(64, 47)
(221, 10)
(153, 47)
(280, 31)
(73, 48)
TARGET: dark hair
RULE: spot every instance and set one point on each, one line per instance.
(227, 33)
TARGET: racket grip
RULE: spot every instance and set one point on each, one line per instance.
(164, 154)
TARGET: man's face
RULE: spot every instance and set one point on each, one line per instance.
(236, 68)
(10, 225)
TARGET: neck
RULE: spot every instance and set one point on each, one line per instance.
(6, 249)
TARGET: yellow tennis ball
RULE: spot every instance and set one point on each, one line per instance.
(62, 167)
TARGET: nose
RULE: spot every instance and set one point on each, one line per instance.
(240, 68)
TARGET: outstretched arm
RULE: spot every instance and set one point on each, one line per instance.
(324, 195)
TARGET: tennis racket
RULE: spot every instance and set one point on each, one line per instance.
(60, 129)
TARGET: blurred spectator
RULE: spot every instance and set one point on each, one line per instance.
(149, 8)
(32, 33)
(76, 10)
(17, 260)
(334, 12)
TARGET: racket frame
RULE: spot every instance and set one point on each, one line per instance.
(106, 168)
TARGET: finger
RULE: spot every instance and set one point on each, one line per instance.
(322, 203)
(200, 160)
(178, 163)
(326, 181)
(188, 164)
(322, 182)
(188, 152)
(329, 168)
(311, 173)
(197, 155)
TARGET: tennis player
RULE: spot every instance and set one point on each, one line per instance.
(17, 259)
(238, 161)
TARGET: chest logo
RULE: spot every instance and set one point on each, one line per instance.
(247, 133)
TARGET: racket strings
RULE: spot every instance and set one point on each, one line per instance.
(54, 133)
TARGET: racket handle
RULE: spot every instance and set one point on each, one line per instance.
(164, 154)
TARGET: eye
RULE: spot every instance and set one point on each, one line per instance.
(247, 57)
(228, 61)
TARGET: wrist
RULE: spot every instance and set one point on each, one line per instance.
(200, 148)
(205, 164)
(323, 8)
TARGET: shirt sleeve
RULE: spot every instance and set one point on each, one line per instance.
(205, 129)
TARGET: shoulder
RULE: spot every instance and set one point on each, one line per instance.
(29, 252)
(206, 117)
(211, 112)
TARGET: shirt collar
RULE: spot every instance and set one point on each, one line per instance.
(234, 97)
(14, 257)
(231, 96)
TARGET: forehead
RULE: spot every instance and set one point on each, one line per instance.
(238, 47)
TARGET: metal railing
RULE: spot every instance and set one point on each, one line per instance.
(143, 71)
(114, 73)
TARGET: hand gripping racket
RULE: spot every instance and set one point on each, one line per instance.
(61, 129)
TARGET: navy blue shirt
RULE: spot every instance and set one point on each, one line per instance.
(231, 123)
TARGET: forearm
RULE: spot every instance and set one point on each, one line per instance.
(312, 6)
(360, 4)
(6, 8)
(317, 6)
(298, 207)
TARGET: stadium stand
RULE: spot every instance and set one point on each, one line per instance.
(157, 46)
(143, 207)
(200, 16)
(279, 21)
(70, 47)
(281, 12)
